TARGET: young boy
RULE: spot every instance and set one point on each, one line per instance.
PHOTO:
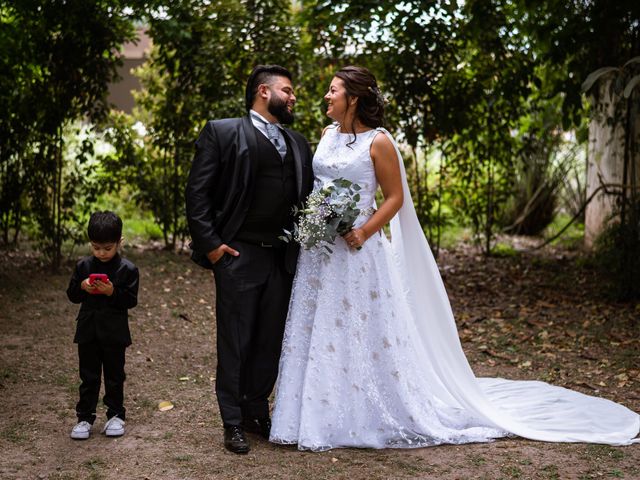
(102, 331)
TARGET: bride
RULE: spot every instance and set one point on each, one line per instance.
(371, 355)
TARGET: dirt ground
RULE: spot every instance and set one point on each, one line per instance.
(524, 316)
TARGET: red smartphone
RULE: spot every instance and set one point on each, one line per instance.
(103, 277)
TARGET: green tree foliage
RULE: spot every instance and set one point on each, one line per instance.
(574, 38)
(61, 57)
(542, 162)
(479, 91)
(457, 75)
(594, 42)
(203, 52)
(477, 81)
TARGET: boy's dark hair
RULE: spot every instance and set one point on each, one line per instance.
(105, 227)
(262, 74)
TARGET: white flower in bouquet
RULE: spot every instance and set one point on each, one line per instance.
(329, 211)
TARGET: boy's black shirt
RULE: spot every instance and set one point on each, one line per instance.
(103, 318)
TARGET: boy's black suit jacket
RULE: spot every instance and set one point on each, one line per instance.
(221, 183)
(103, 318)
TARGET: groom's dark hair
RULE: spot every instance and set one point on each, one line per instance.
(262, 74)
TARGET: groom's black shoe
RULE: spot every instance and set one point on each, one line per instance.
(235, 440)
(261, 426)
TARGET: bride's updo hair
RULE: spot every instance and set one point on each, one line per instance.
(360, 82)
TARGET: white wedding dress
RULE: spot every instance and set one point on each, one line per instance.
(371, 355)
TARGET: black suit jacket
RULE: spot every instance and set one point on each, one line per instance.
(103, 318)
(222, 180)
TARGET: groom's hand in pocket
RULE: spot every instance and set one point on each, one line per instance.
(215, 255)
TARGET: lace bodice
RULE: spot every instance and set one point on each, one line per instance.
(334, 159)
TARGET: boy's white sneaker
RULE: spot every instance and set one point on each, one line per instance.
(81, 431)
(114, 427)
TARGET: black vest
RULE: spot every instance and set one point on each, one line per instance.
(270, 211)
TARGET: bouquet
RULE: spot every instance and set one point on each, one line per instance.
(329, 211)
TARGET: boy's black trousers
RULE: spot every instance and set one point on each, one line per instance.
(96, 358)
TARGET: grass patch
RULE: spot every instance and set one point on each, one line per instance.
(503, 250)
(452, 235)
(7, 375)
(409, 467)
(62, 476)
(476, 460)
(137, 224)
(14, 433)
(183, 458)
(95, 467)
(572, 238)
(141, 229)
(512, 471)
(551, 472)
(605, 451)
(67, 380)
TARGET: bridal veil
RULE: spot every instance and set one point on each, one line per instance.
(530, 409)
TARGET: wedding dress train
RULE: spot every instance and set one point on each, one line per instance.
(371, 355)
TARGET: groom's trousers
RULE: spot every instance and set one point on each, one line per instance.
(252, 299)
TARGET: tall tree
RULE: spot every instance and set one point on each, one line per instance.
(203, 53)
(457, 75)
(578, 38)
(69, 52)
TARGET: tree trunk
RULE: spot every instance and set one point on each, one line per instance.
(416, 168)
(443, 159)
(488, 226)
(176, 196)
(606, 157)
(57, 205)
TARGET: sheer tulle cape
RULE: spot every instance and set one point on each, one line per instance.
(530, 409)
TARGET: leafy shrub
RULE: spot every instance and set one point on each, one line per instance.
(617, 256)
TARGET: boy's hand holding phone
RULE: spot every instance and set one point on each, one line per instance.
(98, 283)
(106, 288)
(87, 286)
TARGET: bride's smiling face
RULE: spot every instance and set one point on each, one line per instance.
(336, 98)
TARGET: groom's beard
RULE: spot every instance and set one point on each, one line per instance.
(278, 108)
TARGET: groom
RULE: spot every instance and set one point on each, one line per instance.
(246, 176)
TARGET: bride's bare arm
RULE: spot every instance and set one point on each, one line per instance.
(385, 162)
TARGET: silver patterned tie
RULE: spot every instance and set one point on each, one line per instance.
(275, 138)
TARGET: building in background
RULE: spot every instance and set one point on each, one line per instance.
(134, 55)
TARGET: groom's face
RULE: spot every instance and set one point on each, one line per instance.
(281, 100)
